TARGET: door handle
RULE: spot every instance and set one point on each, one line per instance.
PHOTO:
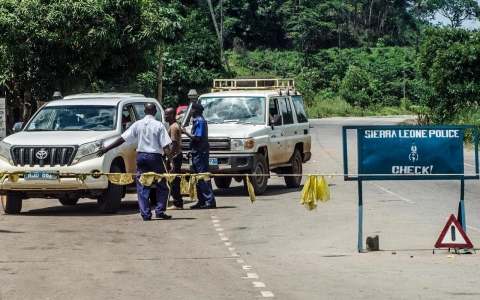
(274, 136)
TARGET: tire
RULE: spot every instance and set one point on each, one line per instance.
(222, 182)
(153, 196)
(259, 183)
(68, 201)
(109, 201)
(296, 168)
(12, 203)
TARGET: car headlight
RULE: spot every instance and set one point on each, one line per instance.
(241, 144)
(5, 152)
(87, 149)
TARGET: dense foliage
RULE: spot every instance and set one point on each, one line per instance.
(361, 55)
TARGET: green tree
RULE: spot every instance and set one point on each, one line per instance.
(456, 11)
(450, 63)
(77, 46)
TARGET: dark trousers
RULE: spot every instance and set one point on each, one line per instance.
(176, 195)
(151, 162)
(204, 187)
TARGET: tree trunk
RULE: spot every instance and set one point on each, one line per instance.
(219, 36)
(160, 74)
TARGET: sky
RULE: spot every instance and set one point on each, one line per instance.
(466, 24)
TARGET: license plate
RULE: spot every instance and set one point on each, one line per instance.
(211, 161)
(39, 175)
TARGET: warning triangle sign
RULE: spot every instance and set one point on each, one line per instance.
(453, 236)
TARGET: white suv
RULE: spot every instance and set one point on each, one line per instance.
(255, 126)
(64, 136)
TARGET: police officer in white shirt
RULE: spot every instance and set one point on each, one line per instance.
(152, 138)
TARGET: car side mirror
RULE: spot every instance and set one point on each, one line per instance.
(18, 127)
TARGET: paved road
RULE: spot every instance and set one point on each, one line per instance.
(271, 248)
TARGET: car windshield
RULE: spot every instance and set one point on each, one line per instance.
(234, 110)
(72, 118)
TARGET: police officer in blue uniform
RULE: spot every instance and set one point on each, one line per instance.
(152, 138)
(200, 152)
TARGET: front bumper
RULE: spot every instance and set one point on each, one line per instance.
(64, 183)
(227, 163)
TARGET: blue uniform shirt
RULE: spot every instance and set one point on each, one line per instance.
(200, 129)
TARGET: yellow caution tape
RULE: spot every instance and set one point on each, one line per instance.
(314, 189)
(120, 178)
(251, 191)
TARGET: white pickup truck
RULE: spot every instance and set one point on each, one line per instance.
(255, 126)
(63, 136)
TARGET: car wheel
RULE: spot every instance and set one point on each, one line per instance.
(68, 201)
(12, 203)
(296, 168)
(109, 201)
(222, 182)
(259, 183)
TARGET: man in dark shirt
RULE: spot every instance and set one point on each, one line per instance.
(175, 134)
(200, 152)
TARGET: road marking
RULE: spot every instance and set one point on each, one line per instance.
(469, 165)
(223, 237)
(267, 294)
(258, 284)
(392, 193)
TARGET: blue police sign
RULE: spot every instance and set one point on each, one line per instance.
(410, 152)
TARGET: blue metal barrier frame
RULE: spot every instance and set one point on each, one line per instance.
(360, 178)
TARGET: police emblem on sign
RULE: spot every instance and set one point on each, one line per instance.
(413, 155)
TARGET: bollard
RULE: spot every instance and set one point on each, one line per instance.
(373, 243)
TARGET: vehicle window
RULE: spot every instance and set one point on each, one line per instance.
(70, 118)
(286, 111)
(140, 111)
(299, 109)
(234, 110)
(273, 109)
(127, 115)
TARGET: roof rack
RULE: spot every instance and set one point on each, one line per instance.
(278, 84)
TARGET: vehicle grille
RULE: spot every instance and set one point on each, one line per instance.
(43, 156)
(216, 144)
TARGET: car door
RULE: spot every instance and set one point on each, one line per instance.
(277, 134)
(128, 115)
(290, 130)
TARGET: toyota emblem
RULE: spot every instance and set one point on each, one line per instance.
(42, 154)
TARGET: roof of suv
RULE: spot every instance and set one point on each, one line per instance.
(244, 93)
(103, 95)
(100, 99)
